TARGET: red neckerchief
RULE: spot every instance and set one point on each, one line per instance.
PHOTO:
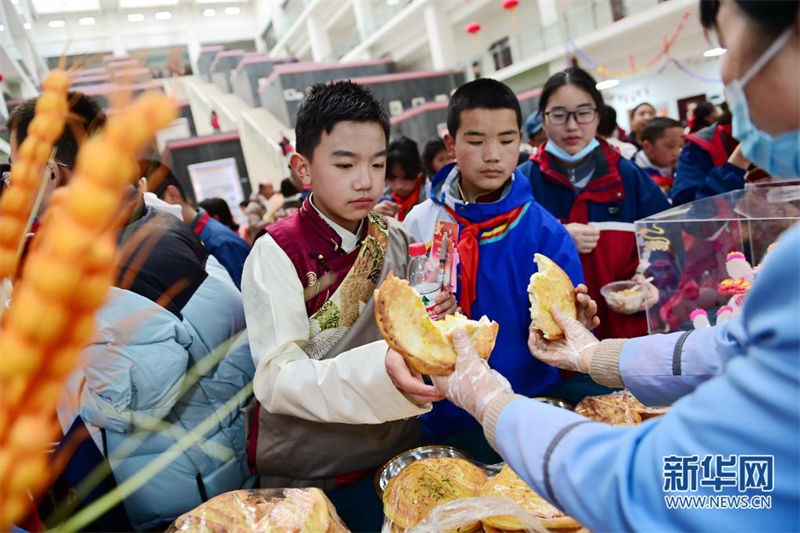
(600, 189)
(201, 223)
(404, 205)
(468, 251)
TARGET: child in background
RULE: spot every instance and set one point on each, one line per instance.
(435, 156)
(711, 163)
(639, 117)
(404, 179)
(335, 403)
(501, 227)
(535, 130)
(662, 142)
(608, 129)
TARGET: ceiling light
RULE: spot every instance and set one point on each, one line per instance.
(607, 84)
(135, 17)
(163, 15)
(2, 28)
(27, 25)
(15, 2)
(233, 10)
(714, 52)
(57, 23)
(209, 12)
(86, 21)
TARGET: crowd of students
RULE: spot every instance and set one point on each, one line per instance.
(294, 313)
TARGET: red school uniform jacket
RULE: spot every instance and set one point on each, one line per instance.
(619, 192)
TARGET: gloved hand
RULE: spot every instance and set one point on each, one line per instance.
(473, 384)
(573, 352)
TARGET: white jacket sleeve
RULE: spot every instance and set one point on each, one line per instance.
(351, 388)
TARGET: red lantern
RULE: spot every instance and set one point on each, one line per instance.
(509, 5)
(473, 27)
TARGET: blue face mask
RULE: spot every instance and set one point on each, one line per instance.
(778, 156)
(557, 152)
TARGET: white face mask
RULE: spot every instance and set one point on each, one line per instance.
(779, 156)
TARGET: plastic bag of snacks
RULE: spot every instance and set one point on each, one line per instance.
(455, 495)
(263, 510)
(619, 408)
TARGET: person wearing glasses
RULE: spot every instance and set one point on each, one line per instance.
(585, 183)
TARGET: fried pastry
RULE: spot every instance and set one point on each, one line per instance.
(425, 344)
(548, 287)
(424, 484)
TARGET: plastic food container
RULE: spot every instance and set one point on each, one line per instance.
(394, 465)
(624, 297)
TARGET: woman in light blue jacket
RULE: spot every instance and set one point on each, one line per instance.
(726, 457)
(141, 370)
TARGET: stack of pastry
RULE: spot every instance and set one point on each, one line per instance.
(410, 495)
(507, 484)
(266, 511)
(423, 485)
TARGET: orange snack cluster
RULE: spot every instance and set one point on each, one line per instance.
(64, 280)
(52, 109)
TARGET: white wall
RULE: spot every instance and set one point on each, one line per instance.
(664, 89)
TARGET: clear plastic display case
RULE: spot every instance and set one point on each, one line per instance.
(685, 248)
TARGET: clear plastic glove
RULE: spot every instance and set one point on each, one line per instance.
(573, 352)
(473, 384)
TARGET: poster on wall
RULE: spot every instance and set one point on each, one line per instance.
(177, 129)
(218, 179)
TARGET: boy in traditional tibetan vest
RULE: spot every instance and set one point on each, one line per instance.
(334, 404)
(502, 226)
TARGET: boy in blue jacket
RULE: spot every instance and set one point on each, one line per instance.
(501, 227)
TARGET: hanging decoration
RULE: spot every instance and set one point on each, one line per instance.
(473, 29)
(573, 48)
(510, 6)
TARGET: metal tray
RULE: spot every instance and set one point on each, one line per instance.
(397, 463)
(555, 401)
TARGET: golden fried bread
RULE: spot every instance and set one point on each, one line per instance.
(291, 511)
(425, 344)
(619, 408)
(424, 484)
(548, 287)
(507, 484)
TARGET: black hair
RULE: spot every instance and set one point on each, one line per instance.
(429, 151)
(608, 121)
(85, 117)
(571, 76)
(404, 152)
(325, 105)
(702, 111)
(640, 104)
(287, 188)
(772, 16)
(656, 127)
(483, 93)
(159, 177)
(219, 209)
